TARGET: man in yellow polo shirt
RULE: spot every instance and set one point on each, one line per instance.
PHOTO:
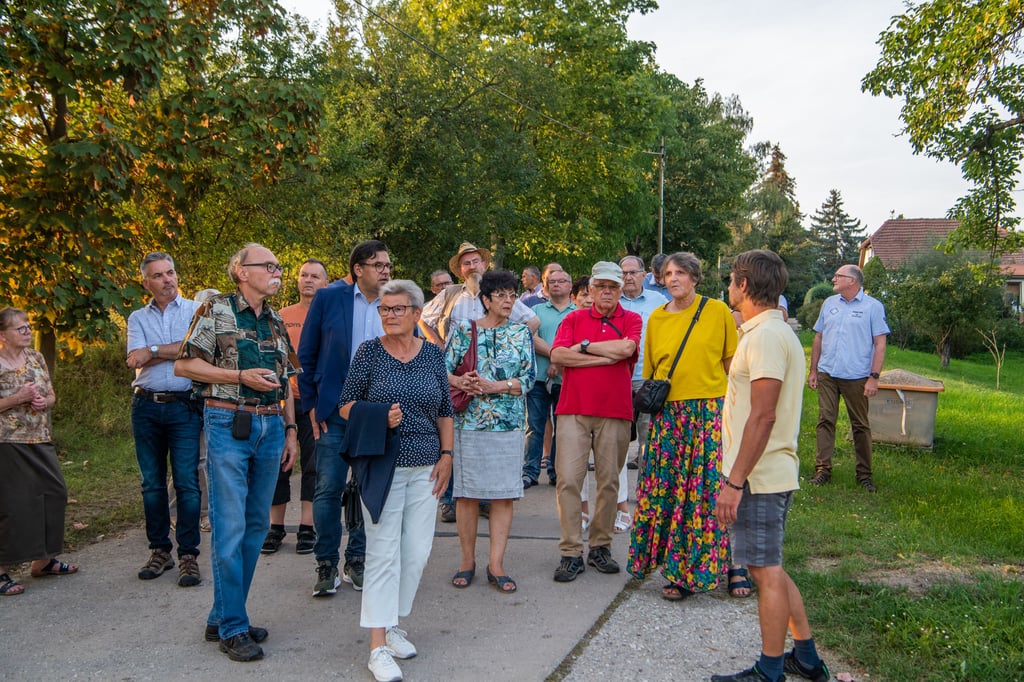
(761, 423)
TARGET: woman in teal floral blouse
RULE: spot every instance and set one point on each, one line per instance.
(489, 434)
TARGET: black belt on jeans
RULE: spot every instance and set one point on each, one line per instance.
(164, 396)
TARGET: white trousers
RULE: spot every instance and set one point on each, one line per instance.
(397, 548)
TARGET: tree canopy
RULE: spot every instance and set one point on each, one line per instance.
(837, 234)
(957, 65)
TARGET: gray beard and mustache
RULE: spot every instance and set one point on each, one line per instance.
(473, 283)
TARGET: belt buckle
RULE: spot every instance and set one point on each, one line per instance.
(163, 399)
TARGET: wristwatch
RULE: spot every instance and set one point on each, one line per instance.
(874, 375)
(584, 345)
(509, 382)
(291, 426)
(154, 350)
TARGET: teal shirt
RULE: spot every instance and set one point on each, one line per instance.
(550, 317)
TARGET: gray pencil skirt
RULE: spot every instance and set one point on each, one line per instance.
(488, 465)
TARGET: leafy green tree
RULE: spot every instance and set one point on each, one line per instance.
(956, 64)
(115, 120)
(837, 234)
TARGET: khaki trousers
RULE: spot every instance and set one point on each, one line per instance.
(576, 435)
(852, 391)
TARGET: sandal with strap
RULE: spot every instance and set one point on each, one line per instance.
(742, 584)
(9, 586)
(501, 581)
(673, 592)
(464, 575)
(55, 567)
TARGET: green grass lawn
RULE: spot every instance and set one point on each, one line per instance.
(921, 581)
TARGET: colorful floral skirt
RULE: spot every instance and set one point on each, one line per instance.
(674, 524)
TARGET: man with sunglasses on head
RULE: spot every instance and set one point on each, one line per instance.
(340, 318)
(239, 359)
(165, 421)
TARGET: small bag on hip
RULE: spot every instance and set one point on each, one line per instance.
(651, 396)
(461, 399)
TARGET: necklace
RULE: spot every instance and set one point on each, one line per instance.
(13, 362)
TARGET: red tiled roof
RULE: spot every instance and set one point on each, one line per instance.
(899, 240)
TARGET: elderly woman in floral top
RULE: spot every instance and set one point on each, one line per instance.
(32, 490)
(489, 434)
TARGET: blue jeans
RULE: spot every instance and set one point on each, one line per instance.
(331, 476)
(161, 429)
(242, 476)
(539, 406)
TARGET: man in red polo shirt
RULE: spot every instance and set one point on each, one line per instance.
(597, 349)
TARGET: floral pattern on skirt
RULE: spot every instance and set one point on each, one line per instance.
(674, 524)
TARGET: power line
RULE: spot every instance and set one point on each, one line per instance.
(462, 69)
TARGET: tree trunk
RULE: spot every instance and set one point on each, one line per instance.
(48, 347)
(947, 349)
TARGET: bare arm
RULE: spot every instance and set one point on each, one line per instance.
(615, 349)
(812, 375)
(572, 357)
(430, 335)
(541, 347)
(141, 357)
(200, 370)
(877, 360)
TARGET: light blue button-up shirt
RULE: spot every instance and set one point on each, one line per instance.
(149, 326)
(848, 330)
(366, 322)
(643, 305)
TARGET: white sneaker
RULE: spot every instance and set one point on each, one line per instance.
(399, 645)
(383, 666)
(622, 522)
(586, 521)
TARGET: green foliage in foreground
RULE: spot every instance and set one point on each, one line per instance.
(923, 580)
(945, 523)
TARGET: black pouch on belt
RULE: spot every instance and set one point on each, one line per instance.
(241, 425)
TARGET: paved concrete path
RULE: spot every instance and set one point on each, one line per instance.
(106, 624)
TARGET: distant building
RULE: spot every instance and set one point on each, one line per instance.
(899, 240)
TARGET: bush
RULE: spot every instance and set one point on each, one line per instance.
(815, 296)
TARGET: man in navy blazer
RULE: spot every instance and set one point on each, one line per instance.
(340, 318)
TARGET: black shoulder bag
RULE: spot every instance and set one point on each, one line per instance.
(650, 397)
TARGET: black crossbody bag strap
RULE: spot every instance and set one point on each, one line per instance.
(696, 316)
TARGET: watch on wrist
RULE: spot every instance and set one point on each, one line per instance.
(584, 345)
(288, 427)
(874, 375)
(509, 382)
(154, 350)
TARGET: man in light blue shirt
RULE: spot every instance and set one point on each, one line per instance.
(165, 421)
(846, 358)
(642, 302)
(653, 281)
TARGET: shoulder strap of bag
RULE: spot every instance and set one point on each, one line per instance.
(696, 316)
(472, 343)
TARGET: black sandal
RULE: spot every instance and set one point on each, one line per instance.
(673, 592)
(743, 584)
(9, 586)
(500, 581)
(464, 575)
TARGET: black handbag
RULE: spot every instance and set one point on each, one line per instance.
(650, 397)
(350, 502)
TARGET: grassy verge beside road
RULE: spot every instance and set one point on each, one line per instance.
(921, 581)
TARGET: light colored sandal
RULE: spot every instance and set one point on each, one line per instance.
(622, 521)
(586, 521)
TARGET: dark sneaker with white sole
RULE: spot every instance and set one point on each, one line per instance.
(353, 574)
(792, 665)
(327, 579)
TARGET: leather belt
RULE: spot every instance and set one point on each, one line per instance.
(254, 409)
(164, 397)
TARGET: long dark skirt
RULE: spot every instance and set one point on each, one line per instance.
(32, 501)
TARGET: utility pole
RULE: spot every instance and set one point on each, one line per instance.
(661, 199)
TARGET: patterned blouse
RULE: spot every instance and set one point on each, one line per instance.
(226, 333)
(22, 424)
(503, 353)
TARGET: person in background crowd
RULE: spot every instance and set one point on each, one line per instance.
(531, 283)
(166, 421)
(439, 281)
(398, 381)
(675, 526)
(653, 280)
(596, 349)
(32, 491)
(543, 397)
(761, 424)
(489, 433)
(846, 358)
(239, 359)
(341, 317)
(312, 278)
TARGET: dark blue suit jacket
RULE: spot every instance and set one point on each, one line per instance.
(325, 348)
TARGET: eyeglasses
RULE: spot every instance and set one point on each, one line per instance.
(474, 261)
(23, 329)
(607, 287)
(632, 273)
(396, 310)
(839, 274)
(503, 295)
(559, 281)
(380, 266)
(270, 266)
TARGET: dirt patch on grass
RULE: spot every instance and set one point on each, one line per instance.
(919, 577)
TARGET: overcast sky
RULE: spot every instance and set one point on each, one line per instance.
(796, 66)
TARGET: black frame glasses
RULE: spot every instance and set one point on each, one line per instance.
(270, 266)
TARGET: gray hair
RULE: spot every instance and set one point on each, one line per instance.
(686, 261)
(239, 258)
(408, 287)
(638, 259)
(152, 257)
(9, 315)
(856, 273)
